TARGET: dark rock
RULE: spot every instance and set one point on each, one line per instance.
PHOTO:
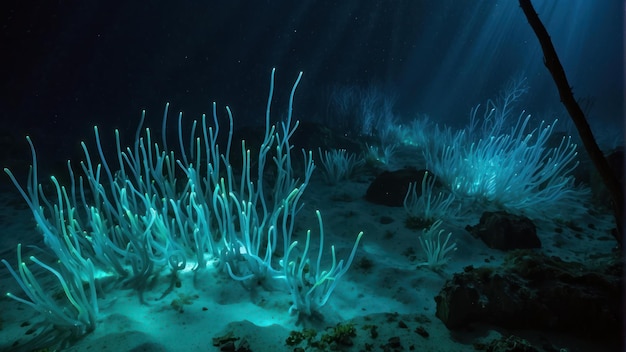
(510, 343)
(420, 330)
(533, 291)
(394, 342)
(505, 231)
(390, 187)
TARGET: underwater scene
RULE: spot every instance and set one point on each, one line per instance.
(410, 175)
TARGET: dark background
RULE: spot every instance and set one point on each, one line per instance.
(69, 65)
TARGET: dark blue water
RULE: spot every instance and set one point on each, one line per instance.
(69, 66)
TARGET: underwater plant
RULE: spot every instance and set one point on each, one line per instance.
(151, 207)
(339, 164)
(513, 169)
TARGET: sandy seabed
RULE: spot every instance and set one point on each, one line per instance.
(385, 287)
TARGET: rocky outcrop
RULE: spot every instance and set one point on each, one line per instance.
(504, 231)
(533, 291)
